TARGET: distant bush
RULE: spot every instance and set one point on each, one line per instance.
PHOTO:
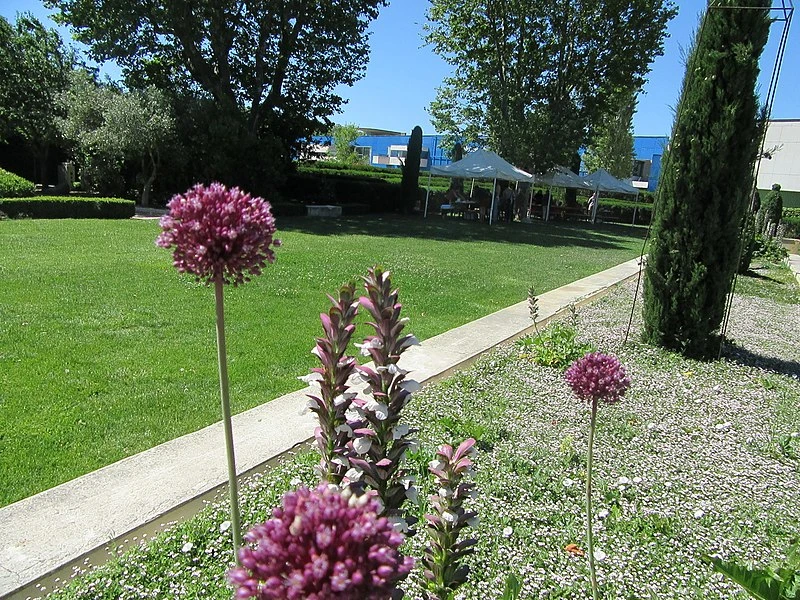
(769, 249)
(67, 207)
(791, 220)
(316, 188)
(14, 186)
(288, 209)
(622, 210)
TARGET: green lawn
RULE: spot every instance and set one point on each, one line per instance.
(106, 351)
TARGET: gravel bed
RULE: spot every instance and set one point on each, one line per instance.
(698, 458)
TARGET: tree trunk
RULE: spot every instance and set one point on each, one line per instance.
(571, 195)
(148, 183)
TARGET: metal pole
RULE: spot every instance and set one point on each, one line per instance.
(491, 207)
(427, 195)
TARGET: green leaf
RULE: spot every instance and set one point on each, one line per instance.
(759, 583)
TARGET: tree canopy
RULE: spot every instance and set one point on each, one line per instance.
(108, 127)
(34, 70)
(272, 60)
(533, 77)
(612, 147)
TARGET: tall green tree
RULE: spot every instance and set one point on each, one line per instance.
(706, 178)
(112, 131)
(612, 148)
(410, 183)
(34, 70)
(344, 138)
(271, 64)
(532, 77)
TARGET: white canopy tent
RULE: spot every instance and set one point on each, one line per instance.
(479, 164)
(603, 181)
(561, 177)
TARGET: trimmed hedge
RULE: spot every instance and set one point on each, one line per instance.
(68, 207)
(14, 186)
(314, 188)
(621, 211)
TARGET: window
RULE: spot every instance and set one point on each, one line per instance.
(364, 152)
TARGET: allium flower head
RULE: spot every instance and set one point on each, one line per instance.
(321, 544)
(598, 377)
(216, 230)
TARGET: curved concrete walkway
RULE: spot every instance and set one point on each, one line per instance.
(58, 527)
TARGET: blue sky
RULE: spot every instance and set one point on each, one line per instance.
(402, 75)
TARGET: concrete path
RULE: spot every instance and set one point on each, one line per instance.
(794, 265)
(60, 526)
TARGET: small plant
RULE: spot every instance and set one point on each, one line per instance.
(333, 401)
(220, 236)
(513, 588)
(443, 555)
(555, 346)
(533, 308)
(772, 583)
(595, 378)
(573, 314)
(769, 249)
(323, 543)
(379, 440)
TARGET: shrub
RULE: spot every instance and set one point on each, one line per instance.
(68, 207)
(557, 346)
(791, 220)
(622, 210)
(769, 249)
(319, 188)
(14, 186)
(771, 211)
(288, 209)
(748, 242)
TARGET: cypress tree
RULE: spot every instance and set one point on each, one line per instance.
(410, 182)
(705, 182)
(771, 212)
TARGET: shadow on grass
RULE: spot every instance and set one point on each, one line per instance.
(537, 233)
(755, 275)
(748, 358)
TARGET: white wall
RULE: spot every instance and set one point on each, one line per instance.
(784, 168)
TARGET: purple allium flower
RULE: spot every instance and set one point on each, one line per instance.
(216, 230)
(597, 377)
(321, 544)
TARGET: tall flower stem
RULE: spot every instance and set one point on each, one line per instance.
(589, 519)
(226, 416)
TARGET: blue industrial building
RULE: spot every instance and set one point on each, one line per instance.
(389, 148)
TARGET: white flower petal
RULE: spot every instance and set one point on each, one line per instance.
(311, 378)
(362, 445)
(599, 555)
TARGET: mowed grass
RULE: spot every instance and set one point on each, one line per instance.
(105, 350)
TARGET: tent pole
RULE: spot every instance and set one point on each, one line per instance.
(472, 189)
(427, 195)
(530, 205)
(596, 202)
(491, 207)
(547, 212)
